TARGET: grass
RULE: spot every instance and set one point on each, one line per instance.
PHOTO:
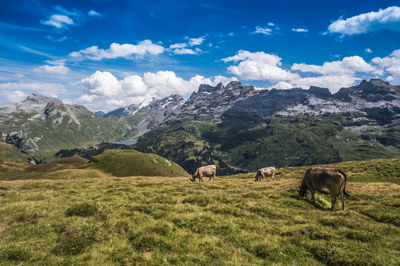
(131, 162)
(9, 152)
(234, 221)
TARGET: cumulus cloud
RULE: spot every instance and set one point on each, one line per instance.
(116, 50)
(105, 92)
(390, 65)
(102, 84)
(299, 30)
(388, 19)
(53, 67)
(258, 66)
(58, 21)
(333, 75)
(346, 66)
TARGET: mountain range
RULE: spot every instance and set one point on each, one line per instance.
(235, 126)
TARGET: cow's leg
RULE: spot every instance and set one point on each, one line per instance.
(273, 176)
(342, 198)
(200, 178)
(214, 177)
(333, 200)
(312, 194)
(262, 176)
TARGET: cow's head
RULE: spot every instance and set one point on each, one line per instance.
(193, 178)
(256, 178)
(302, 191)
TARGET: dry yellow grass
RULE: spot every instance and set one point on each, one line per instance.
(170, 220)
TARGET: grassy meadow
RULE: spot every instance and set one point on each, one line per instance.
(87, 216)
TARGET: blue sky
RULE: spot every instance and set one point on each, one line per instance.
(106, 54)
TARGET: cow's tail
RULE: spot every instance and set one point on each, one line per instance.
(345, 182)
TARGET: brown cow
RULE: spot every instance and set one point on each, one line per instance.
(323, 179)
(261, 173)
(208, 170)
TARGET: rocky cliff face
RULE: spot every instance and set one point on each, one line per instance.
(207, 104)
(373, 102)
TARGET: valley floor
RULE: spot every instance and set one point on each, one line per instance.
(234, 221)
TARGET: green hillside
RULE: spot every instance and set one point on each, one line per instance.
(135, 163)
(245, 144)
(58, 131)
(8, 152)
(86, 217)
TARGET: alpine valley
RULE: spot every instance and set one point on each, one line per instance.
(235, 126)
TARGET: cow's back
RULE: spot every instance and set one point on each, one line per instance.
(208, 170)
(325, 178)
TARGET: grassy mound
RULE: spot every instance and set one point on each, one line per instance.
(135, 163)
(8, 152)
(59, 164)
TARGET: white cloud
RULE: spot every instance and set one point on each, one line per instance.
(368, 50)
(259, 66)
(196, 41)
(266, 30)
(102, 84)
(333, 75)
(94, 13)
(58, 21)
(119, 50)
(181, 48)
(346, 66)
(50, 89)
(106, 92)
(390, 64)
(12, 96)
(53, 67)
(184, 51)
(388, 19)
(299, 30)
(177, 45)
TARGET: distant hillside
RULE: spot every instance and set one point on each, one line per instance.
(135, 163)
(44, 125)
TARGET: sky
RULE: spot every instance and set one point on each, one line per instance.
(106, 54)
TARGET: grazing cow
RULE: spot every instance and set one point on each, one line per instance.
(261, 173)
(324, 180)
(208, 171)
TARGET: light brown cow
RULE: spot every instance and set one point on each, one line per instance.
(208, 171)
(261, 173)
(324, 180)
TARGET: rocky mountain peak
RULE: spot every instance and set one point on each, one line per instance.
(375, 83)
(36, 98)
(208, 88)
(320, 92)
